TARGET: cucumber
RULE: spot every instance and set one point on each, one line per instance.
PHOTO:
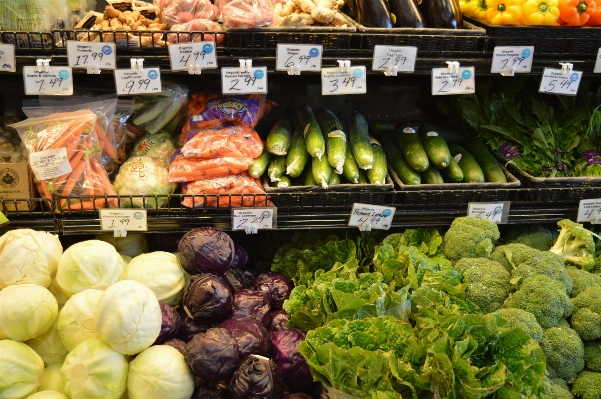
(331, 127)
(432, 176)
(334, 179)
(283, 182)
(257, 169)
(277, 168)
(472, 173)
(435, 146)
(279, 138)
(381, 127)
(321, 171)
(307, 178)
(377, 173)
(297, 154)
(328, 122)
(350, 170)
(315, 142)
(411, 147)
(398, 163)
(453, 172)
(359, 135)
(490, 167)
(362, 177)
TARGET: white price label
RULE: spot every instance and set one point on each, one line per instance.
(554, 81)
(507, 57)
(7, 58)
(50, 163)
(497, 212)
(253, 219)
(368, 217)
(335, 82)
(183, 55)
(445, 83)
(394, 56)
(123, 219)
(305, 56)
(589, 211)
(57, 81)
(145, 80)
(233, 81)
(84, 54)
(598, 62)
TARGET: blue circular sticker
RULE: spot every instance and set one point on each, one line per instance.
(314, 52)
(466, 74)
(259, 74)
(357, 72)
(574, 77)
(107, 50)
(63, 74)
(207, 48)
(498, 209)
(265, 214)
(386, 212)
(153, 74)
(526, 53)
(138, 215)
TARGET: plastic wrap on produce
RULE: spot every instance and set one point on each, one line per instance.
(246, 14)
(229, 141)
(191, 169)
(196, 25)
(237, 185)
(123, 136)
(144, 175)
(174, 12)
(161, 111)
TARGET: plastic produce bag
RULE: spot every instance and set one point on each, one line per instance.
(191, 169)
(161, 111)
(144, 176)
(230, 141)
(32, 15)
(236, 185)
(158, 145)
(247, 14)
(123, 136)
(175, 12)
(196, 25)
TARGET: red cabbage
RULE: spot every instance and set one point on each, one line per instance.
(251, 336)
(211, 391)
(249, 303)
(297, 396)
(190, 329)
(170, 325)
(257, 377)
(275, 286)
(278, 321)
(213, 355)
(206, 250)
(292, 364)
(177, 344)
(207, 298)
(240, 257)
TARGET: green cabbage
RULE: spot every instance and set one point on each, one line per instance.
(58, 293)
(49, 346)
(52, 380)
(48, 395)
(26, 311)
(132, 245)
(21, 370)
(76, 318)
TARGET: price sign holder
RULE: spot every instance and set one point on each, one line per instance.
(137, 80)
(44, 79)
(563, 81)
(394, 59)
(368, 217)
(193, 57)
(453, 80)
(589, 210)
(251, 220)
(92, 56)
(343, 80)
(7, 58)
(509, 60)
(244, 80)
(120, 221)
(497, 212)
(295, 58)
(598, 62)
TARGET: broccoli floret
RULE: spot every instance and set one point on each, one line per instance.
(533, 235)
(587, 385)
(546, 263)
(518, 318)
(582, 280)
(564, 351)
(592, 356)
(586, 317)
(511, 255)
(575, 245)
(469, 237)
(560, 389)
(563, 323)
(487, 282)
(544, 297)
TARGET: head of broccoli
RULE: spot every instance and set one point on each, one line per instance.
(469, 237)
(511, 255)
(592, 356)
(587, 385)
(487, 282)
(518, 318)
(559, 389)
(582, 280)
(575, 245)
(586, 318)
(533, 235)
(546, 263)
(564, 351)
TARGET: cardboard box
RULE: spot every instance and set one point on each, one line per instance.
(16, 182)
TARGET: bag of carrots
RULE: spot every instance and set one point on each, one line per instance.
(64, 154)
(234, 191)
(228, 141)
(183, 169)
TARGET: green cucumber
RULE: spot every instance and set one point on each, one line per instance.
(277, 168)
(328, 122)
(453, 172)
(331, 127)
(321, 171)
(283, 182)
(377, 173)
(398, 163)
(432, 176)
(381, 127)
(490, 167)
(334, 179)
(350, 170)
(411, 147)
(297, 154)
(279, 138)
(359, 135)
(316, 145)
(472, 173)
(362, 177)
(307, 177)
(435, 146)
(257, 169)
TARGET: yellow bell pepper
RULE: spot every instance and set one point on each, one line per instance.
(540, 12)
(475, 8)
(504, 12)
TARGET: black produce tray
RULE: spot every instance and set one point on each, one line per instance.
(530, 181)
(37, 41)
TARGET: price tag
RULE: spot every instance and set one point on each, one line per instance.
(446, 83)
(123, 219)
(50, 163)
(184, 54)
(598, 62)
(7, 58)
(556, 82)
(507, 57)
(253, 219)
(145, 80)
(57, 81)
(394, 56)
(305, 56)
(233, 81)
(85, 54)
(589, 211)
(335, 82)
(497, 212)
(369, 217)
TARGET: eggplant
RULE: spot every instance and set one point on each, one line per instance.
(407, 14)
(350, 8)
(373, 13)
(442, 13)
